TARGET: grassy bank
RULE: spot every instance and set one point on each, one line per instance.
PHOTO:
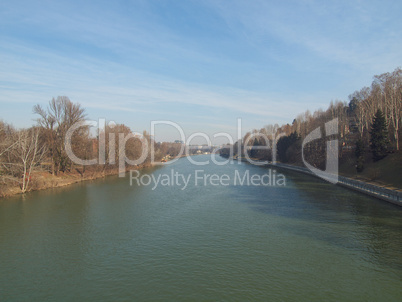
(386, 172)
(44, 180)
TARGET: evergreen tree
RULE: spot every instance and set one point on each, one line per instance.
(284, 143)
(379, 136)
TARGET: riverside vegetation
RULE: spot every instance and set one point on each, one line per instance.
(36, 158)
(368, 128)
(369, 141)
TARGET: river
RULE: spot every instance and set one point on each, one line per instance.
(105, 240)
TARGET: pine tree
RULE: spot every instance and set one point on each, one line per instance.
(379, 136)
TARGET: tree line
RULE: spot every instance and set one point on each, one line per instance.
(27, 155)
(368, 125)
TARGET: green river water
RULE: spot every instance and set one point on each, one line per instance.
(108, 241)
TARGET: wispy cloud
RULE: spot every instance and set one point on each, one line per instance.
(356, 33)
(137, 92)
(195, 62)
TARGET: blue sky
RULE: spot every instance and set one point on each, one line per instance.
(201, 64)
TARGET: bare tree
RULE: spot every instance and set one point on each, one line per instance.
(60, 115)
(24, 155)
(6, 144)
(393, 102)
(387, 96)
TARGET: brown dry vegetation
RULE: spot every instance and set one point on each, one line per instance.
(37, 158)
(41, 180)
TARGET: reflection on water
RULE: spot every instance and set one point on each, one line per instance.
(105, 240)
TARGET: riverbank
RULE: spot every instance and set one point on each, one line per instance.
(44, 180)
(381, 191)
(385, 172)
(391, 195)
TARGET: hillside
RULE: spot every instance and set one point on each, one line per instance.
(385, 172)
